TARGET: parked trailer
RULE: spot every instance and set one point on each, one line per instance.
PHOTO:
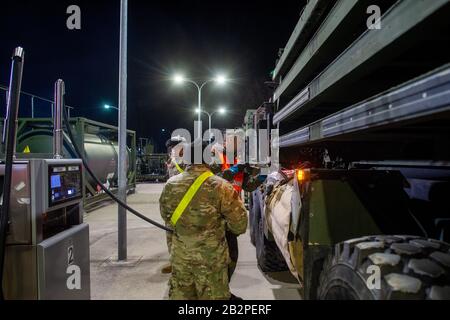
(364, 120)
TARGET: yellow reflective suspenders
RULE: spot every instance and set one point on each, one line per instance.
(187, 198)
(178, 167)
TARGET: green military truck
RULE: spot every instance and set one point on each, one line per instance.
(359, 208)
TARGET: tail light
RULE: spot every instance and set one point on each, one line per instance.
(300, 175)
(303, 175)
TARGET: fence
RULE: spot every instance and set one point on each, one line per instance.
(37, 106)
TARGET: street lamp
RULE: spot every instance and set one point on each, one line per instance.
(221, 111)
(219, 79)
(178, 79)
(107, 107)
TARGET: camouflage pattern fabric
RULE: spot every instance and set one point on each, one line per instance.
(172, 168)
(198, 283)
(199, 251)
(173, 171)
(169, 239)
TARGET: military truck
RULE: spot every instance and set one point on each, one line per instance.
(359, 208)
(150, 166)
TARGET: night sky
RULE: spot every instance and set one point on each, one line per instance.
(197, 38)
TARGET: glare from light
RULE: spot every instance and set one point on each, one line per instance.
(107, 106)
(222, 110)
(178, 79)
(197, 110)
(300, 175)
(221, 79)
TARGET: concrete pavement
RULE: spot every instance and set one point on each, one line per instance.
(140, 277)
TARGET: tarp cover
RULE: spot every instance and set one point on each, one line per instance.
(278, 217)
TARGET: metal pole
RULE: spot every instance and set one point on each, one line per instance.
(200, 113)
(9, 137)
(32, 107)
(209, 132)
(57, 119)
(122, 167)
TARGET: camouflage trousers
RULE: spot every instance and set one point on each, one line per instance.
(189, 282)
(232, 249)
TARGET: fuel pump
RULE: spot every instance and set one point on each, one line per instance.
(45, 244)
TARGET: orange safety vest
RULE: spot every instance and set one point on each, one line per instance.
(238, 178)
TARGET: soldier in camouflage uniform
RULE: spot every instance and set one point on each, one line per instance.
(174, 147)
(199, 252)
(172, 170)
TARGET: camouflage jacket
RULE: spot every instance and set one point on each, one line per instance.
(199, 235)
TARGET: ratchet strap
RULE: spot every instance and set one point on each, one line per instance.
(187, 198)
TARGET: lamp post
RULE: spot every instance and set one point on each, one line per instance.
(220, 80)
(122, 166)
(220, 111)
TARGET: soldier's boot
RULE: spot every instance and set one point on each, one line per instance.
(166, 269)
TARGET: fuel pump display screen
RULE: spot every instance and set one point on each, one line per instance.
(64, 183)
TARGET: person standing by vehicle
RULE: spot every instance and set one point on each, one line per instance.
(242, 177)
(201, 207)
(173, 168)
(174, 151)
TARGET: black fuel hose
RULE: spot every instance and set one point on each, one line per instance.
(109, 193)
(9, 137)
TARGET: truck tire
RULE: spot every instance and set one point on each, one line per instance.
(255, 215)
(268, 255)
(409, 267)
